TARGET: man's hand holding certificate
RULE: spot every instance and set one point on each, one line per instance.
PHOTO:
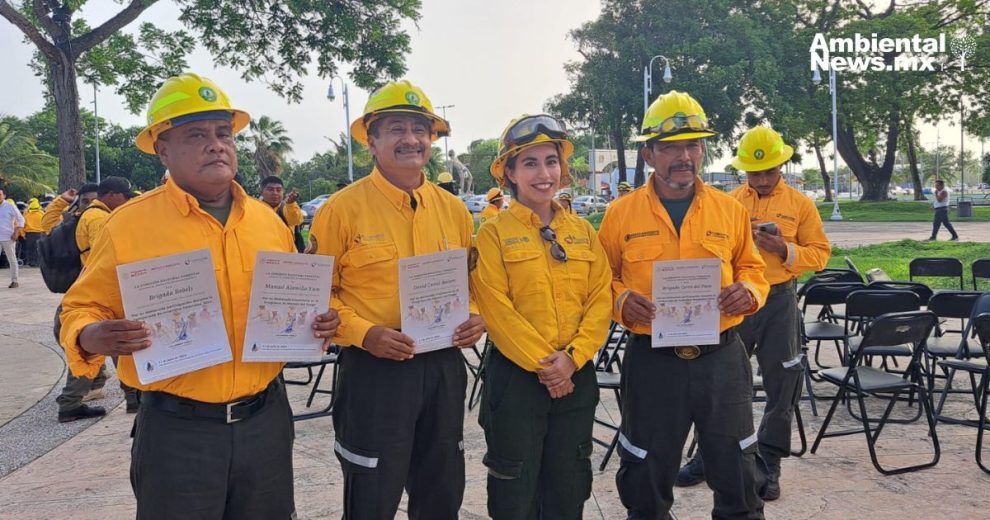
(433, 296)
(686, 296)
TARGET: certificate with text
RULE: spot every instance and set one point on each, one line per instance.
(433, 297)
(288, 291)
(176, 296)
(685, 293)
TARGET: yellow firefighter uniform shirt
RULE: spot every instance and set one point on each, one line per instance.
(637, 231)
(90, 224)
(491, 211)
(53, 214)
(367, 227)
(293, 215)
(800, 225)
(167, 221)
(32, 221)
(534, 304)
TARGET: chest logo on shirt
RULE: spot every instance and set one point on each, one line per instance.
(511, 241)
(717, 234)
(641, 234)
(786, 217)
(362, 238)
(571, 239)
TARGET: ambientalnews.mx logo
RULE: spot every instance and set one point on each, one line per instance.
(859, 53)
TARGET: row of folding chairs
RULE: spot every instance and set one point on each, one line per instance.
(938, 267)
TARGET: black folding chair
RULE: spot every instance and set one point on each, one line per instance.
(981, 325)
(923, 291)
(479, 372)
(852, 265)
(827, 327)
(860, 381)
(936, 268)
(609, 381)
(330, 358)
(980, 269)
(965, 354)
(950, 305)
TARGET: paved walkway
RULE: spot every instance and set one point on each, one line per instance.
(37, 454)
(852, 234)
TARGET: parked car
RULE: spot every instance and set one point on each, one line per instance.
(309, 208)
(588, 204)
(476, 203)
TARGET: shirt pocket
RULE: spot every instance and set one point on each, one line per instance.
(375, 269)
(579, 262)
(637, 264)
(526, 270)
(724, 253)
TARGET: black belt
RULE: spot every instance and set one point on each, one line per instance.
(223, 412)
(693, 351)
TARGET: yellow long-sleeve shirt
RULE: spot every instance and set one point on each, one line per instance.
(293, 215)
(491, 211)
(800, 225)
(534, 305)
(368, 227)
(32, 221)
(167, 221)
(90, 224)
(53, 214)
(636, 231)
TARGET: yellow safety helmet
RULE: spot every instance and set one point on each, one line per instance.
(760, 149)
(564, 196)
(625, 186)
(675, 116)
(444, 177)
(185, 95)
(526, 131)
(493, 193)
(397, 97)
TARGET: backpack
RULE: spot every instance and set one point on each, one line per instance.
(297, 237)
(58, 254)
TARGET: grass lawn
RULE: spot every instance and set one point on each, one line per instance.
(895, 211)
(893, 258)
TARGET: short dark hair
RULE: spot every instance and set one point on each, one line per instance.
(271, 179)
(89, 187)
(939, 181)
(114, 185)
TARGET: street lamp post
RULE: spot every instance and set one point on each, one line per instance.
(347, 123)
(96, 127)
(817, 79)
(445, 152)
(648, 79)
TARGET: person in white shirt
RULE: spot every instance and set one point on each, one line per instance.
(941, 206)
(11, 223)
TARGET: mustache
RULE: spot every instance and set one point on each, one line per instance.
(404, 149)
(681, 165)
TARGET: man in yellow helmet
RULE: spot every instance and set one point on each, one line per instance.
(33, 231)
(446, 181)
(624, 188)
(565, 199)
(494, 207)
(216, 442)
(788, 231)
(399, 415)
(667, 390)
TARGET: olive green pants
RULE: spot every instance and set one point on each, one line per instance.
(539, 448)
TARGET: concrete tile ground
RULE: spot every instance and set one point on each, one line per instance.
(79, 470)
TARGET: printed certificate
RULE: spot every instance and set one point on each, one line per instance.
(176, 296)
(686, 295)
(288, 291)
(433, 297)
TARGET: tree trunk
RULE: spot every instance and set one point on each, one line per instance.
(621, 149)
(821, 166)
(875, 178)
(912, 154)
(640, 170)
(71, 161)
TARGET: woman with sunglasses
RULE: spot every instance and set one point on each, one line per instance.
(543, 284)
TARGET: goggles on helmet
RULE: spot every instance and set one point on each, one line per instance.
(528, 128)
(678, 123)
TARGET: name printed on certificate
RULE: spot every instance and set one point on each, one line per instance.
(686, 295)
(288, 291)
(433, 297)
(176, 296)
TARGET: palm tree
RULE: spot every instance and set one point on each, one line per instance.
(22, 164)
(270, 145)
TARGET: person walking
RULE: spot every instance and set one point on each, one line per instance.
(941, 206)
(11, 224)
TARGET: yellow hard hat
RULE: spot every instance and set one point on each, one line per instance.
(761, 148)
(493, 193)
(445, 177)
(625, 186)
(564, 196)
(526, 131)
(397, 97)
(675, 116)
(185, 95)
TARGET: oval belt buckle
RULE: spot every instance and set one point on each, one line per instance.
(687, 352)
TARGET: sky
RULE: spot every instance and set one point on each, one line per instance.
(491, 60)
